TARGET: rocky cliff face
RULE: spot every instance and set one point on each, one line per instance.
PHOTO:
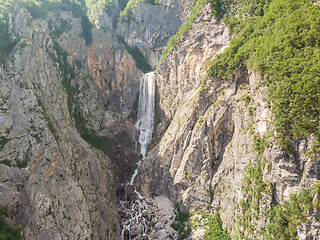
(52, 181)
(210, 132)
(151, 25)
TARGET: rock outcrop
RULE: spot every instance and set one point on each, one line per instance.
(151, 25)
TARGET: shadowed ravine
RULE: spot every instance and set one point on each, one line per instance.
(137, 206)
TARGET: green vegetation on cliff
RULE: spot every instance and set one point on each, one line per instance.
(213, 226)
(287, 217)
(174, 40)
(68, 74)
(283, 219)
(93, 7)
(280, 39)
(84, 9)
(122, 4)
(6, 230)
(132, 6)
(251, 207)
(41, 8)
(181, 224)
(6, 41)
(38, 9)
(240, 8)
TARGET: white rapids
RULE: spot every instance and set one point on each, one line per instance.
(145, 124)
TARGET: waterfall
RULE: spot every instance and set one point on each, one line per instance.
(145, 120)
(145, 125)
(146, 111)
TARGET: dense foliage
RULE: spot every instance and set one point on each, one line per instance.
(242, 8)
(254, 189)
(213, 226)
(281, 40)
(7, 232)
(95, 6)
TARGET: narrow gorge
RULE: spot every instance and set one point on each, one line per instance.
(139, 209)
(159, 119)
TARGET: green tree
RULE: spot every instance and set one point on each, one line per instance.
(8, 232)
(214, 229)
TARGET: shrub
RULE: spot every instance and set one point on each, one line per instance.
(287, 217)
(181, 224)
(6, 230)
(214, 230)
(279, 39)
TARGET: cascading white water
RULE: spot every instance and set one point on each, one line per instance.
(145, 124)
(146, 111)
(145, 120)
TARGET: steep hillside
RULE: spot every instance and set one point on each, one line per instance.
(221, 143)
